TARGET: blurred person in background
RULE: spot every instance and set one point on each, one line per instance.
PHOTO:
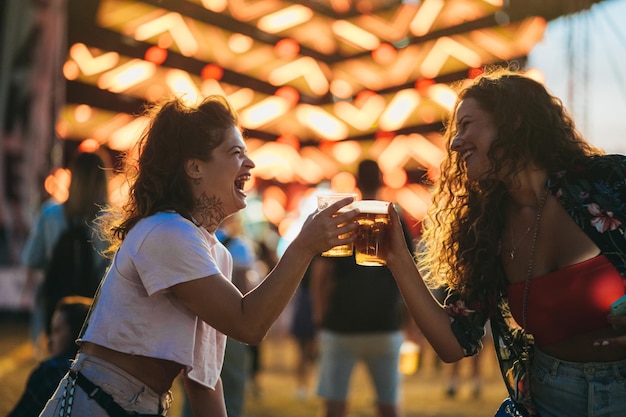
(67, 321)
(88, 194)
(303, 330)
(359, 313)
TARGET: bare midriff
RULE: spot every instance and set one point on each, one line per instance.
(158, 374)
(580, 348)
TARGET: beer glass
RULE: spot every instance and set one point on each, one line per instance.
(370, 245)
(325, 200)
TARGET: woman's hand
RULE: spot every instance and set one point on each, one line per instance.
(619, 322)
(398, 248)
(327, 228)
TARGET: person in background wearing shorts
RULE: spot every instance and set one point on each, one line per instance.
(359, 312)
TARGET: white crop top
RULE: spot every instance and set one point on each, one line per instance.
(134, 311)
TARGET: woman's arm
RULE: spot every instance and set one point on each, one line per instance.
(429, 315)
(248, 318)
(203, 401)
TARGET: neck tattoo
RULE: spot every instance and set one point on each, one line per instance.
(210, 210)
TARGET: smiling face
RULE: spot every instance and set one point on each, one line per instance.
(218, 183)
(475, 132)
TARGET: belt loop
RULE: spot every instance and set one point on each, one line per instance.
(77, 362)
(554, 368)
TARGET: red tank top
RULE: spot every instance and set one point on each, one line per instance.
(573, 300)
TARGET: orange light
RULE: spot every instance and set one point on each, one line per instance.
(57, 184)
(284, 19)
(239, 43)
(89, 146)
(156, 55)
(287, 48)
(423, 84)
(277, 194)
(362, 97)
(321, 122)
(343, 182)
(396, 178)
(126, 76)
(90, 64)
(263, 112)
(71, 70)
(284, 225)
(347, 151)
(289, 94)
(341, 88)
(384, 54)
(274, 212)
(170, 27)
(384, 135)
(82, 113)
(306, 67)
(355, 35)
(402, 105)
(290, 140)
(474, 72)
(212, 72)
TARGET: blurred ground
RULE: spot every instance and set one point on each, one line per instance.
(424, 393)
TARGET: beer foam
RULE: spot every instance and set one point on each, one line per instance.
(372, 206)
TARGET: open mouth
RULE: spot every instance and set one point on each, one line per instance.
(466, 155)
(240, 182)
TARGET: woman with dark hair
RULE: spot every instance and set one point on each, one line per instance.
(67, 320)
(167, 303)
(526, 229)
(88, 194)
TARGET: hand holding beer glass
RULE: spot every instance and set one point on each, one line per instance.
(325, 200)
(372, 235)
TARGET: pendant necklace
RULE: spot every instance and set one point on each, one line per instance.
(516, 245)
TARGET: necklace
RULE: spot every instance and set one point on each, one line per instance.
(529, 272)
(516, 245)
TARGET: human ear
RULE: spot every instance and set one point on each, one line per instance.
(193, 169)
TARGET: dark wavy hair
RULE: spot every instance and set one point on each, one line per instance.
(175, 133)
(464, 224)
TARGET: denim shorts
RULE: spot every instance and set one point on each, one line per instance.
(567, 389)
(339, 353)
(131, 394)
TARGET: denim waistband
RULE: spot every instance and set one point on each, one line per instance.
(587, 370)
(101, 372)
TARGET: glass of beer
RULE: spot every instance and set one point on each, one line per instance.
(370, 245)
(325, 200)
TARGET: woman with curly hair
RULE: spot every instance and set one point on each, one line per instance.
(167, 303)
(527, 231)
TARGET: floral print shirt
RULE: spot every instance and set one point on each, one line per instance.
(594, 195)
